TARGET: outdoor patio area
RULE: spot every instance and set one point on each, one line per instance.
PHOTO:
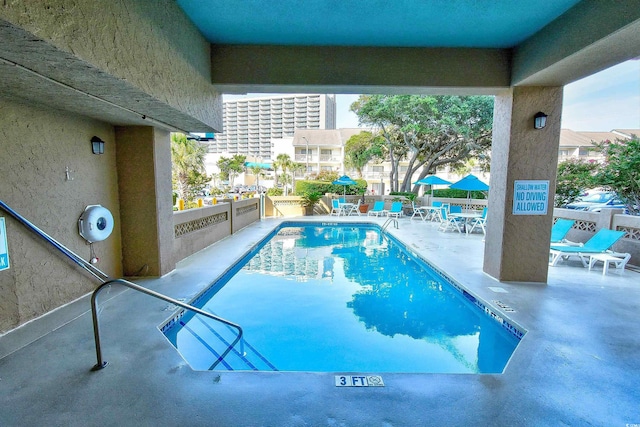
(577, 365)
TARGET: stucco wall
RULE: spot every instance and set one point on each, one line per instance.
(148, 44)
(37, 146)
(195, 229)
(244, 212)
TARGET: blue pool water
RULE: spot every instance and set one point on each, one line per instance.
(341, 298)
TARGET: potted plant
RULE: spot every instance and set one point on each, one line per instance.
(364, 207)
(309, 200)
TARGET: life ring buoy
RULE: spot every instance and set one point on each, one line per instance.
(95, 224)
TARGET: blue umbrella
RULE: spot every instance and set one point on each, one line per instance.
(432, 180)
(344, 180)
(469, 183)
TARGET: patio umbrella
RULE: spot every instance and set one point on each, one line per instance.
(432, 180)
(469, 183)
(344, 180)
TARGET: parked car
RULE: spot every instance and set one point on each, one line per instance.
(595, 202)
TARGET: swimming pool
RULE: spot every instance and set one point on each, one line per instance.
(342, 298)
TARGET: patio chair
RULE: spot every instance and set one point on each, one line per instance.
(449, 222)
(336, 209)
(599, 243)
(377, 209)
(354, 209)
(396, 210)
(480, 222)
(560, 229)
(418, 210)
(455, 209)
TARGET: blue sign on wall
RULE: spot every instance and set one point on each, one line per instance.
(4, 249)
(530, 197)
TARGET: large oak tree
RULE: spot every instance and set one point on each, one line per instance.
(428, 131)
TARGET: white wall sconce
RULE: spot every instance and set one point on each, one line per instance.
(97, 145)
(539, 120)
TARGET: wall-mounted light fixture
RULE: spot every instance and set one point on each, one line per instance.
(97, 145)
(539, 120)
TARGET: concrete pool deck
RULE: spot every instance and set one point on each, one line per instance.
(577, 365)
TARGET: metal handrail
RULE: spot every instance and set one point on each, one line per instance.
(101, 363)
(389, 221)
(106, 280)
(94, 271)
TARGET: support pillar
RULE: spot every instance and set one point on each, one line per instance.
(517, 246)
(146, 210)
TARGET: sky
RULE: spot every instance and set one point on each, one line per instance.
(601, 102)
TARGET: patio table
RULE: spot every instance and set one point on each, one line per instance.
(432, 212)
(466, 217)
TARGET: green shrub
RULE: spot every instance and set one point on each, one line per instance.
(409, 195)
(274, 191)
(458, 194)
(306, 186)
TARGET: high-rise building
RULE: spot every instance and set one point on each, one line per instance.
(250, 124)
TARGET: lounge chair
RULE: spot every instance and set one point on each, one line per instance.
(599, 243)
(377, 209)
(396, 210)
(480, 222)
(560, 229)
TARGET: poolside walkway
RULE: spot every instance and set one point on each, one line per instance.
(577, 365)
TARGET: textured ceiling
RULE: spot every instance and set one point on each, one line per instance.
(389, 23)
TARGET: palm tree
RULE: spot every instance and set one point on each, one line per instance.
(188, 172)
(257, 171)
(284, 162)
(296, 167)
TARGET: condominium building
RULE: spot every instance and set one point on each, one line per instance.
(582, 145)
(250, 124)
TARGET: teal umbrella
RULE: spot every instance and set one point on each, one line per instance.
(344, 180)
(432, 180)
(470, 183)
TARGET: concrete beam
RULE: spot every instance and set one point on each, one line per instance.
(335, 69)
(130, 62)
(589, 38)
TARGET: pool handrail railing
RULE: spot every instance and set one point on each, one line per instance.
(101, 363)
(106, 281)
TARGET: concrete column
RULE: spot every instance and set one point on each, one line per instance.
(517, 246)
(146, 211)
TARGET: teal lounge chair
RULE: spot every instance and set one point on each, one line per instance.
(560, 229)
(377, 209)
(396, 210)
(599, 243)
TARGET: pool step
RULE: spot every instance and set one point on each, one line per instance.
(203, 341)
